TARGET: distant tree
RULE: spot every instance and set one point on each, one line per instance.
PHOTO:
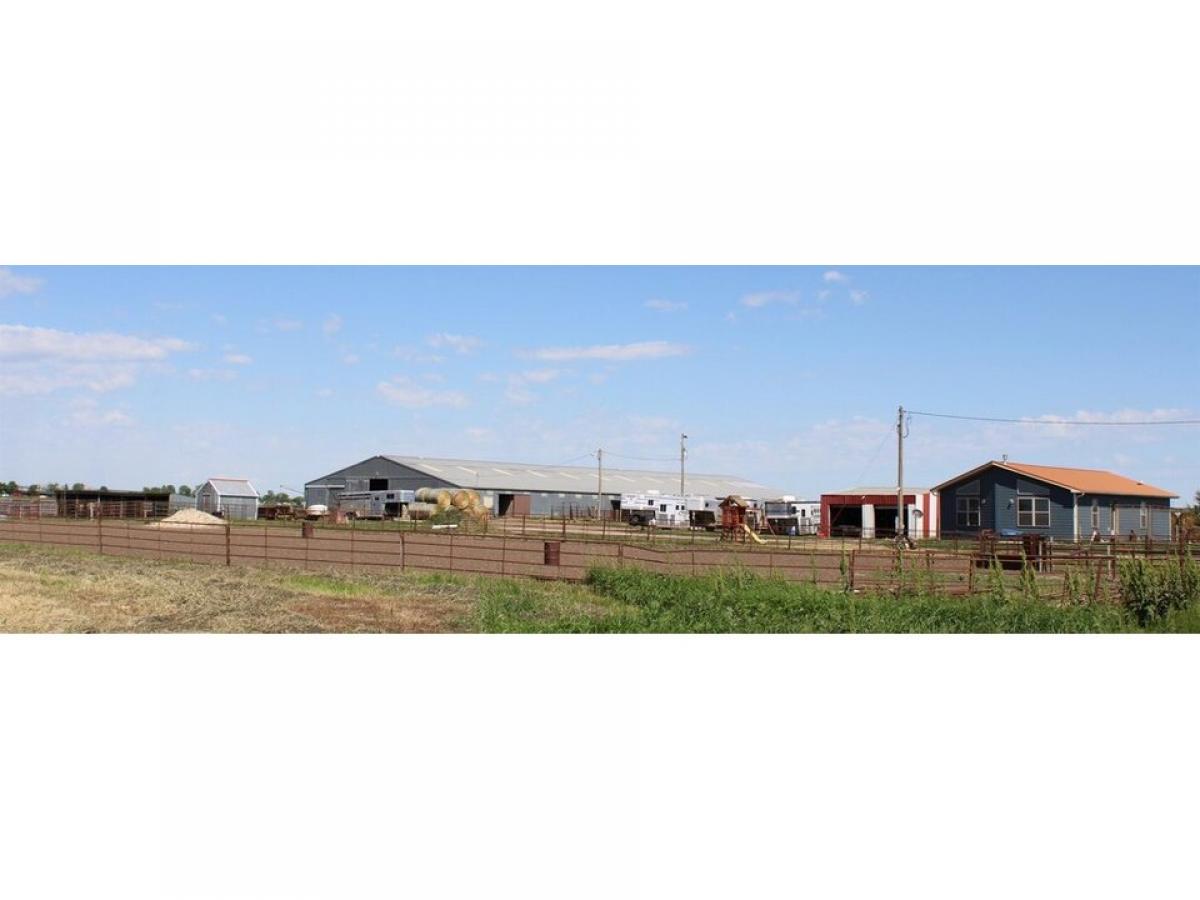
(1197, 499)
(77, 486)
(34, 489)
(185, 490)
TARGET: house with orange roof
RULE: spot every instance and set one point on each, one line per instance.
(1063, 503)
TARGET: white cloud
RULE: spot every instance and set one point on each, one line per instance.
(24, 342)
(858, 298)
(325, 393)
(833, 276)
(518, 391)
(332, 325)
(219, 319)
(459, 343)
(478, 434)
(401, 391)
(351, 359)
(238, 359)
(86, 413)
(212, 374)
(610, 352)
(43, 360)
(23, 379)
(285, 325)
(667, 306)
(519, 395)
(770, 298)
(12, 283)
(417, 357)
(539, 376)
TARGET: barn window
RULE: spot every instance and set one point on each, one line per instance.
(1095, 515)
(968, 512)
(1145, 516)
(1033, 512)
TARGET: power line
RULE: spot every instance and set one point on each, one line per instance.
(874, 456)
(641, 458)
(1074, 422)
(573, 459)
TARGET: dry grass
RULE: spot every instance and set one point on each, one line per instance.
(54, 590)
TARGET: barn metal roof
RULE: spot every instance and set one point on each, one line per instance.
(889, 491)
(533, 478)
(233, 487)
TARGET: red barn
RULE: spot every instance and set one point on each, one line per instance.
(870, 512)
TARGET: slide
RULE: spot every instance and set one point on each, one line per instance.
(754, 537)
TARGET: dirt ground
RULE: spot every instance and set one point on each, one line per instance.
(54, 590)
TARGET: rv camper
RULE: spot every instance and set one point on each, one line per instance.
(659, 510)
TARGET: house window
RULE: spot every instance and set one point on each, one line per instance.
(1145, 517)
(1033, 512)
(1095, 516)
(968, 512)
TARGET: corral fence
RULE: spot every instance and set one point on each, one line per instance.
(309, 548)
(50, 508)
(386, 551)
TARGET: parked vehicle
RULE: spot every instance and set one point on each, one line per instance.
(789, 516)
(375, 504)
(656, 510)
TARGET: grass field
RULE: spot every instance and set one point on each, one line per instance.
(55, 590)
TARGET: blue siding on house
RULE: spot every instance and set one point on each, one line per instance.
(999, 491)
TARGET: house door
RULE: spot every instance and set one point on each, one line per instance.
(1115, 519)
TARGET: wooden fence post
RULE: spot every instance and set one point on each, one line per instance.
(228, 558)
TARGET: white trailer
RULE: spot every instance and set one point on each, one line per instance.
(789, 516)
(656, 510)
(375, 504)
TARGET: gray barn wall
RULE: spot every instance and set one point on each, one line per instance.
(358, 478)
(403, 478)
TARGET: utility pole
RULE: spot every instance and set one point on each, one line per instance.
(683, 465)
(900, 529)
(600, 483)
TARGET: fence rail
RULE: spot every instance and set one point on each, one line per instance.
(369, 550)
(869, 569)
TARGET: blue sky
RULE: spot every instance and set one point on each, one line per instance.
(790, 375)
